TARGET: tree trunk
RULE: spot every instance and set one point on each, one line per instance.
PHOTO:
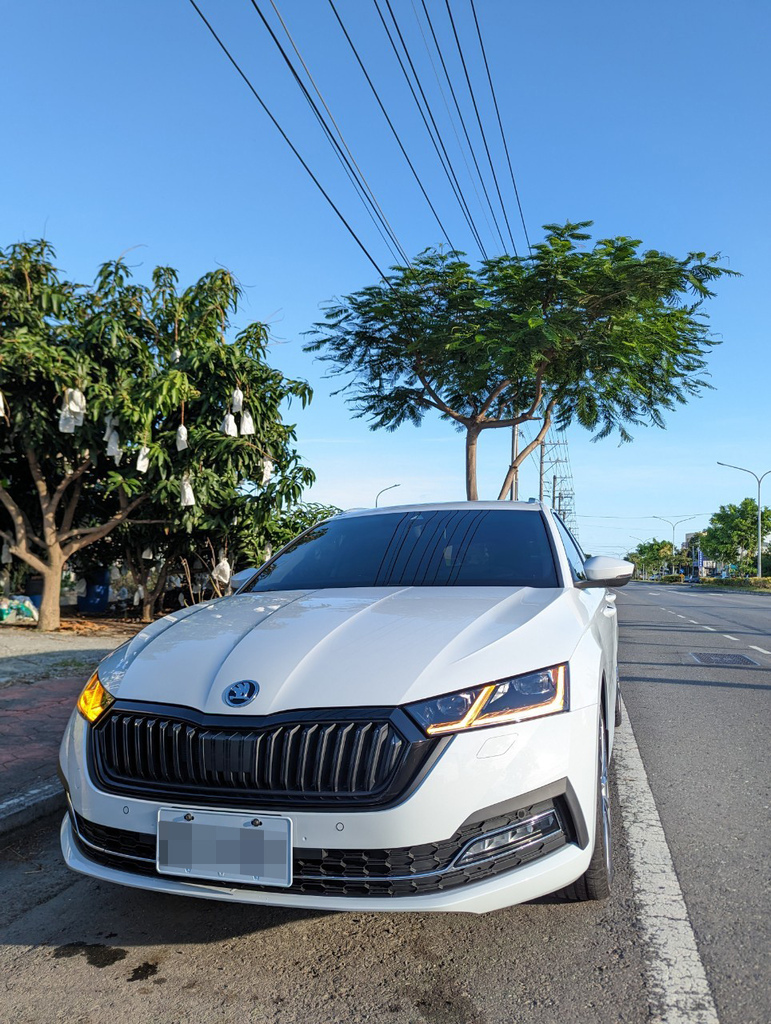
(472, 436)
(49, 604)
(148, 609)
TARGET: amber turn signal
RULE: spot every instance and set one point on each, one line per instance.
(94, 700)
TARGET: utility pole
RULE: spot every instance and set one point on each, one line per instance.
(760, 510)
(514, 490)
(540, 474)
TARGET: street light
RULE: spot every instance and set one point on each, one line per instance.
(673, 525)
(760, 511)
(390, 488)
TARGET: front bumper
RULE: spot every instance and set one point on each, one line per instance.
(495, 769)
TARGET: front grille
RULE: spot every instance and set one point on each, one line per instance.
(319, 759)
(402, 871)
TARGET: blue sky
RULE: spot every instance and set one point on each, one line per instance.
(124, 125)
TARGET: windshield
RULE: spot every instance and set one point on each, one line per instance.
(469, 548)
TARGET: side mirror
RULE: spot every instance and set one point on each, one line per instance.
(238, 579)
(604, 571)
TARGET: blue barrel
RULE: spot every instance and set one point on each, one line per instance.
(96, 598)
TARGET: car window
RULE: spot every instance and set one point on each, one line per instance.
(440, 548)
(574, 553)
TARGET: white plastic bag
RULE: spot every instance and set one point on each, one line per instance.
(75, 401)
(267, 471)
(238, 400)
(143, 462)
(109, 424)
(139, 594)
(221, 572)
(247, 424)
(175, 355)
(6, 557)
(148, 554)
(187, 498)
(3, 406)
(229, 425)
(66, 421)
(114, 450)
(181, 437)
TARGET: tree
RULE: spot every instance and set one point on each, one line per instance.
(732, 534)
(96, 384)
(651, 555)
(609, 336)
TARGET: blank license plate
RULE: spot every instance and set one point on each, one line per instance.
(225, 846)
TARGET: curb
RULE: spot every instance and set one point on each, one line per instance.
(36, 802)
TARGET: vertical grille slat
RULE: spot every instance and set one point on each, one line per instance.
(306, 759)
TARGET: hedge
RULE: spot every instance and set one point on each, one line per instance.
(753, 583)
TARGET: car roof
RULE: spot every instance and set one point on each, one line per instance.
(448, 506)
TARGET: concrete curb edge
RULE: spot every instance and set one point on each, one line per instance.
(43, 798)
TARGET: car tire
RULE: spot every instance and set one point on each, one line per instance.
(596, 882)
(618, 716)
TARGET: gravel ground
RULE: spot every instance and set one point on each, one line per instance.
(27, 655)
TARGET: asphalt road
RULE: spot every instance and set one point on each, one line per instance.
(704, 737)
(85, 952)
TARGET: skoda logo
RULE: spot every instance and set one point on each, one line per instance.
(241, 693)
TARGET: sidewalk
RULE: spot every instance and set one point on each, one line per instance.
(32, 720)
(41, 675)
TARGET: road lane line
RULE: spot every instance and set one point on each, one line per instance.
(693, 622)
(676, 980)
(679, 615)
(729, 637)
(709, 628)
(761, 649)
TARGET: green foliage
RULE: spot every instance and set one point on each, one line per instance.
(732, 534)
(151, 357)
(609, 336)
(651, 556)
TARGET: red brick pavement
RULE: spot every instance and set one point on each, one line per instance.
(32, 720)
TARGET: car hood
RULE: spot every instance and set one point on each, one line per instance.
(344, 648)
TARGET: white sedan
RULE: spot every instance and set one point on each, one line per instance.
(408, 708)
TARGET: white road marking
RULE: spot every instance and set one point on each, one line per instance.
(677, 982)
(709, 628)
(679, 615)
(655, 593)
(693, 622)
(761, 649)
(729, 637)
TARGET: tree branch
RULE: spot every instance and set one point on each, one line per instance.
(493, 395)
(37, 476)
(95, 533)
(69, 512)
(22, 526)
(65, 483)
(437, 401)
(514, 467)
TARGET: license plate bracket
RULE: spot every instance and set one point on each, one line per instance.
(225, 846)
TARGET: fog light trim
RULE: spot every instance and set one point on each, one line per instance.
(508, 840)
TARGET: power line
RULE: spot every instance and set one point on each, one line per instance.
(436, 141)
(460, 115)
(353, 170)
(285, 137)
(481, 126)
(391, 126)
(500, 123)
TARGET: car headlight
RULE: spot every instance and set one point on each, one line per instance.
(509, 700)
(94, 700)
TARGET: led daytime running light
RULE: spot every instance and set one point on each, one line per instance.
(474, 717)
